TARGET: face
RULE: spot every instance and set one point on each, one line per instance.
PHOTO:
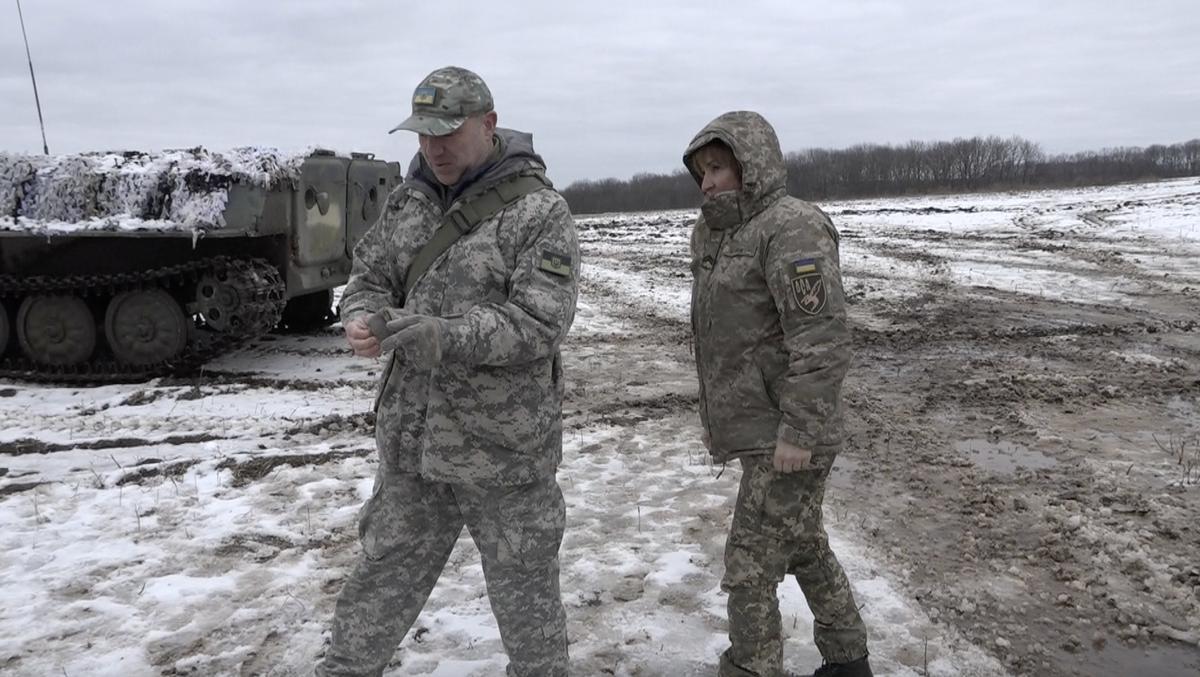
(718, 170)
(453, 155)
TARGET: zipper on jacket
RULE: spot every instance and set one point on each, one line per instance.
(708, 265)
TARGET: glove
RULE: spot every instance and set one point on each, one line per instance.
(417, 339)
(377, 322)
(790, 458)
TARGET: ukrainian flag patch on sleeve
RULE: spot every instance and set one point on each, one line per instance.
(555, 263)
(803, 266)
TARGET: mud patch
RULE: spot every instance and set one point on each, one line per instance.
(255, 546)
(1162, 660)
(1024, 531)
(18, 487)
(631, 412)
(257, 380)
(335, 423)
(1003, 457)
(143, 397)
(905, 210)
(254, 469)
(905, 253)
(193, 393)
(28, 445)
(169, 470)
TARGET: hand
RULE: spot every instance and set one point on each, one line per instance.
(417, 339)
(361, 341)
(790, 458)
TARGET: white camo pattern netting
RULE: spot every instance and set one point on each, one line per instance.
(169, 190)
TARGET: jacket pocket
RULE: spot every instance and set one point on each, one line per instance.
(738, 267)
(530, 526)
(473, 272)
(751, 389)
(368, 530)
(510, 407)
(771, 361)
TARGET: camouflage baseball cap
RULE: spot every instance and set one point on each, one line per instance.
(444, 99)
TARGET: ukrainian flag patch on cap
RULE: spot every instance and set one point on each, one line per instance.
(425, 96)
(555, 263)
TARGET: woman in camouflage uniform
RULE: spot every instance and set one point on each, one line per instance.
(772, 348)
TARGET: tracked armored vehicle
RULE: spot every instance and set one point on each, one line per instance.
(123, 266)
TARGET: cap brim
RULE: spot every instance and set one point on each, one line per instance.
(429, 125)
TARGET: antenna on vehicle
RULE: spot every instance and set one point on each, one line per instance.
(36, 99)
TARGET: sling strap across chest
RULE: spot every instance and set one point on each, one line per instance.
(456, 223)
(469, 214)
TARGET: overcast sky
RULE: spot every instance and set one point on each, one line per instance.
(608, 88)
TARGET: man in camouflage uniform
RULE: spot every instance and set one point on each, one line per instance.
(469, 412)
(772, 348)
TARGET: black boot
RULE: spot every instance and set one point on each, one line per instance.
(856, 668)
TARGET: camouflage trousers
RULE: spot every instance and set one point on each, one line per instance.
(408, 529)
(777, 530)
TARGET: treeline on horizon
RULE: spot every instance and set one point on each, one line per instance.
(918, 167)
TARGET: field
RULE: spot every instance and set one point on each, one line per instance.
(1020, 496)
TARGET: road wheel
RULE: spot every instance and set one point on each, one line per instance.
(56, 330)
(218, 301)
(145, 327)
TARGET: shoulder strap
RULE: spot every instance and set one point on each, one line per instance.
(463, 219)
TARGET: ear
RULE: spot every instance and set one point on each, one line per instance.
(489, 122)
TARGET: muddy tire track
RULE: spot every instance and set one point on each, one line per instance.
(1041, 556)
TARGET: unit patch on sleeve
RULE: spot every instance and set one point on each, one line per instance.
(808, 287)
(554, 263)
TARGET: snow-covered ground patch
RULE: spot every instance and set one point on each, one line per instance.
(1018, 355)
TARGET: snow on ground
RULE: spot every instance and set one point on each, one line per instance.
(203, 526)
(198, 572)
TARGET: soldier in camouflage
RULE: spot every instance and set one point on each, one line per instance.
(469, 411)
(772, 347)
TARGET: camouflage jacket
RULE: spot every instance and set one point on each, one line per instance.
(491, 412)
(768, 312)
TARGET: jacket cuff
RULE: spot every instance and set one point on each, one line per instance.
(455, 339)
(794, 436)
(349, 316)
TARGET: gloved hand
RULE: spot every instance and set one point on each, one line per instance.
(417, 339)
(377, 322)
(790, 458)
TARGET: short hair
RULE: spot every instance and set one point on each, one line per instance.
(720, 151)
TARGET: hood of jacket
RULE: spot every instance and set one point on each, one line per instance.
(756, 148)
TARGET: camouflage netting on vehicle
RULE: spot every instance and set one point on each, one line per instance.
(169, 190)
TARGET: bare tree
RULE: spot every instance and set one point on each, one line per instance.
(868, 170)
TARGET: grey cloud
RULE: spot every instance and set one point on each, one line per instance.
(608, 89)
